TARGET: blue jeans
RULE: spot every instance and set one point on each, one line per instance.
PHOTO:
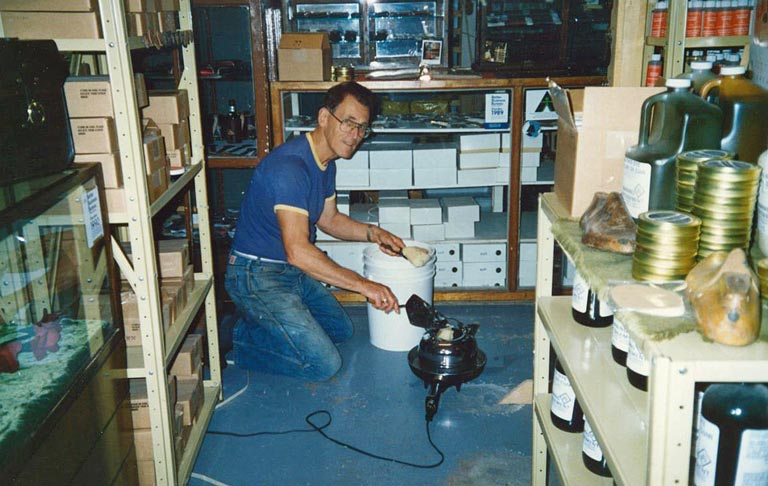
(289, 323)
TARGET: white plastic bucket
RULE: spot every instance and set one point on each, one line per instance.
(392, 331)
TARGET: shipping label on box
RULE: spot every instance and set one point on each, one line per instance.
(88, 97)
(93, 135)
(304, 57)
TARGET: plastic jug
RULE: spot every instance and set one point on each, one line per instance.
(700, 73)
(745, 111)
(671, 122)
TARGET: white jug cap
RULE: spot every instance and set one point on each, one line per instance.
(732, 70)
(678, 83)
(701, 65)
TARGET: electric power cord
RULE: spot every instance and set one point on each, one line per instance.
(321, 430)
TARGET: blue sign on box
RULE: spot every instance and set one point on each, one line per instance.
(497, 110)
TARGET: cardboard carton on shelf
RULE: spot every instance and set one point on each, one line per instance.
(189, 357)
(173, 256)
(51, 25)
(49, 6)
(88, 96)
(93, 135)
(110, 166)
(167, 106)
(595, 127)
(304, 57)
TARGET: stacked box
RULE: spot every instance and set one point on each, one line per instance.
(460, 215)
(353, 172)
(391, 165)
(169, 110)
(434, 164)
(478, 159)
(426, 220)
(484, 264)
(527, 268)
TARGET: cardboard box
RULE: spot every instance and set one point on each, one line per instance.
(449, 274)
(476, 177)
(176, 135)
(141, 5)
(447, 252)
(189, 397)
(189, 358)
(403, 230)
(157, 183)
(167, 106)
(441, 176)
(479, 160)
(146, 473)
(426, 211)
(142, 97)
(483, 252)
(391, 159)
(88, 97)
(93, 135)
(110, 167)
(142, 442)
(115, 197)
(173, 257)
(459, 229)
(488, 142)
(352, 177)
(391, 178)
(595, 128)
(428, 232)
(304, 57)
(484, 274)
(460, 208)
(359, 161)
(48, 5)
(394, 211)
(180, 158)
(51, 25)
(437, 157)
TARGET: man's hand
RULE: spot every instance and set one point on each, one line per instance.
(380, 297)
(388, 243)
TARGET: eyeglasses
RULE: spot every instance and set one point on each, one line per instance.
(348, 125)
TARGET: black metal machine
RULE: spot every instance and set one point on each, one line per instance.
(447, 354)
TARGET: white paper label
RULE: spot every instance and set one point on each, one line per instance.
(636, 360)
(636, 186)
(94, 228)
(580, 293)
(752, 467)
(589, 444)
(497, 110)
(563, 397)
(620, 336)
(706, 453)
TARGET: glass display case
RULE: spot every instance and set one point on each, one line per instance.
(554, 37)
(228, 82)
(57, 314)
(373, 35)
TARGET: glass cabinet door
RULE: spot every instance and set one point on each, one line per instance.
(225, 73)
(397, 29)
(340, 20)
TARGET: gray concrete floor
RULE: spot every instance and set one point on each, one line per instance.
(377, 404)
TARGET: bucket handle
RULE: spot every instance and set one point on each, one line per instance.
(709, 85)
(645, 124)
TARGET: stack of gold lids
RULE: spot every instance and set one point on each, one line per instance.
(687, 167)
(667, 243)
(762, 275)
(724, 199)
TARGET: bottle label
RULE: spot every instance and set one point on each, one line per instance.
(580, 294)
(706, 453)
(589, 444)
(620, 336)
(563, 397)
(752, 466)
(636, 360)
(636, 186)
(605, 311)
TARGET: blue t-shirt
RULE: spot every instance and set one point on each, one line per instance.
(289, 178)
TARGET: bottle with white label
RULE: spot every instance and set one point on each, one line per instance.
(733, 433)
(564, 408)
(671, 122)
(638, 367)
(619, 342)
(592, 454)
(586, 307)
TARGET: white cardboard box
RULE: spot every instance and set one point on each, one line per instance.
(449, 274)
(426, 211)
(459, 229)
(484, 252)
(478, 160)
(428, 232)
(442, 176)
(528, 174)
(403, 230)
(526, 276)
(530, 159)
(358, 161)
(484, 274)
(352, 177)
(503, 174)
(477, 177)
(479, 141)
(460, 208)
(447, 252)
(506, 141)
(394, 211)
(528, 251)
(434, 158)
(391, 159)
(391, 178)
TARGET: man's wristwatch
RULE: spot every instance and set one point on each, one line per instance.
(369, 233)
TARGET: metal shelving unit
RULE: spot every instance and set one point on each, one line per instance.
(152, 359)
(645, 436)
